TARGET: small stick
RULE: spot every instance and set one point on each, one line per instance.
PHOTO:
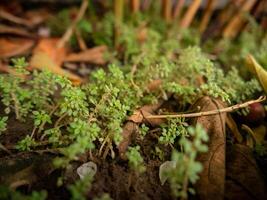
(70, 29)
(190, 13)
(178, 8)
(211, 112)
(235, 24)
(135, 6)
(166, 10)
(207, 15)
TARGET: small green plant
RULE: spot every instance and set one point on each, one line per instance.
(14, 96)
(186, 169)
(143, 131)
(136, 161)
(174, 128)
(26, 144)
(104, 196)
(80, 188)
(3, 124)
(40, 119)
(8, 194)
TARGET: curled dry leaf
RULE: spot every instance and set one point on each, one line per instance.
(46, 55)
(94, 55)
(258, 71)
(233, 128)
(244, 180)
(139, 116)
(129, 129)
(154, 85)
(212, 178)
(10, 47)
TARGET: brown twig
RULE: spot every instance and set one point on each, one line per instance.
(80, 40)
(70, 29)
(207, 15)
(207, 113)
(190, 13)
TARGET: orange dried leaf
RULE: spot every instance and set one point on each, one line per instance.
(14, 46)
(47, 56)
(94, 55)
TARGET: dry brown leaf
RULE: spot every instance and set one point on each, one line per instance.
(233, 128)
(212, 178)
(94, 55)
(139, 116)
(244, 180)
(258, 71)
(154, 85)
(46, 55)
(14, 46)
(128, 131)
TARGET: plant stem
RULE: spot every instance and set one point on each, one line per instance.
(185, 181)
(211, 112)
(41, 127)
(16, 105)
(65, 38)
(33, 131)
(118, 13)
(60, 119)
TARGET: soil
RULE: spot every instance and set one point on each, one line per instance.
(113, 176)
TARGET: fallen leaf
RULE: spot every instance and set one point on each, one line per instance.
(46, 55)
(94, 55)
(244, 180)
(212, 178)
(129, 129)
(258, 71)
(139, 116)
(233, 128)
(154, 85)
(10, 47)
